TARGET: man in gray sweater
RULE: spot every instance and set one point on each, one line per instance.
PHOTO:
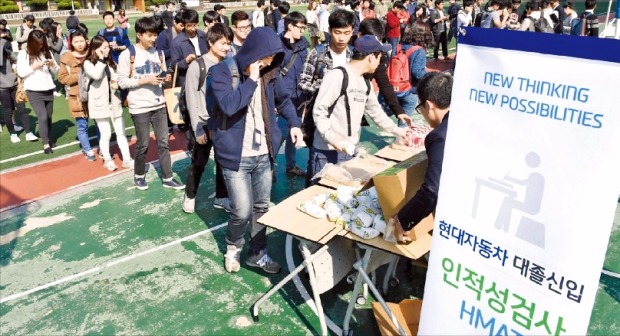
(219, 38)
(338, 116)
(142, 71)
(22, 32)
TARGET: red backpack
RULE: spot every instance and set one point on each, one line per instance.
(399, 69)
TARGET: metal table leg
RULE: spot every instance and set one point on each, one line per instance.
(312, 277)
(284, 281)
(362, 277)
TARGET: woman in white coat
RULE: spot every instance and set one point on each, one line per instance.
(104, 102)
(36, 65)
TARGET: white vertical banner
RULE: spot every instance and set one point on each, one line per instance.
(529, 185)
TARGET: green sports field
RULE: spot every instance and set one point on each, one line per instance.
(109, 259)
(64, 127)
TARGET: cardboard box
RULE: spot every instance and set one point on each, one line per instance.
(397, 152)
(407, 313)
(361, 169)
(398, 184)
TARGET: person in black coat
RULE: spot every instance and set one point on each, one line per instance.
(221, 12)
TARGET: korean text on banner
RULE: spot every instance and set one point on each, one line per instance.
(529, 185)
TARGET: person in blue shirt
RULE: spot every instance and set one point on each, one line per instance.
(116, 36)
(284, 7)
(165, 38)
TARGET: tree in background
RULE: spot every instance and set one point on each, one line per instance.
(37, 5)
(8, 6)
(66, 4)
(149, 3)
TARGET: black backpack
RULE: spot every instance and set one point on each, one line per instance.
(269, 19)
(478, 20)
(308, 126)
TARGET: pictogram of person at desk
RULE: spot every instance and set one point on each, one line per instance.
(534, 185)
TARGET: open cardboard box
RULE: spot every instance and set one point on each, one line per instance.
(397, 152)
(361, 169)
(397, 184)
(407, 313)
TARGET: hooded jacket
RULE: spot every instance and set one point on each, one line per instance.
(231, 108)
(292, 77)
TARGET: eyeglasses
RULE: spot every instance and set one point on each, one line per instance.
(244, 27)
(301, 28)
(417, 108)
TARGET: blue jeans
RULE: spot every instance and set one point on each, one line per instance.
(249, 192)
(408, 101)
(289, 148)
(82, 133)
(320, 158)
(290, 151)
(393, 41)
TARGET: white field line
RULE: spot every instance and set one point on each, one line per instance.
(110, 264)
(611, 274)
(41, 151)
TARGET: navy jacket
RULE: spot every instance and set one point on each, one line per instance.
(180, 48)
(163, 44)
(291, 78)
(424, 201)
(232, 105)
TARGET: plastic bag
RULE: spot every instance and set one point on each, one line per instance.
(390, 232)
(414, 139)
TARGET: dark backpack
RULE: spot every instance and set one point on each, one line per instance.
(182, 96)
(269, 19)
(308, 126)
(284, 69)
(119, 31)
(211, 103)
(578, 26)
(478, 19)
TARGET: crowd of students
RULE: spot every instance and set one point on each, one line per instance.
(249, 83)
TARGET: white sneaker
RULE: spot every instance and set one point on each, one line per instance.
(189, 204)
(15, 138)
(128, 164)
(31, 137)
(57, 94)
(18, 128)
(110, 165)
(231, 259)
